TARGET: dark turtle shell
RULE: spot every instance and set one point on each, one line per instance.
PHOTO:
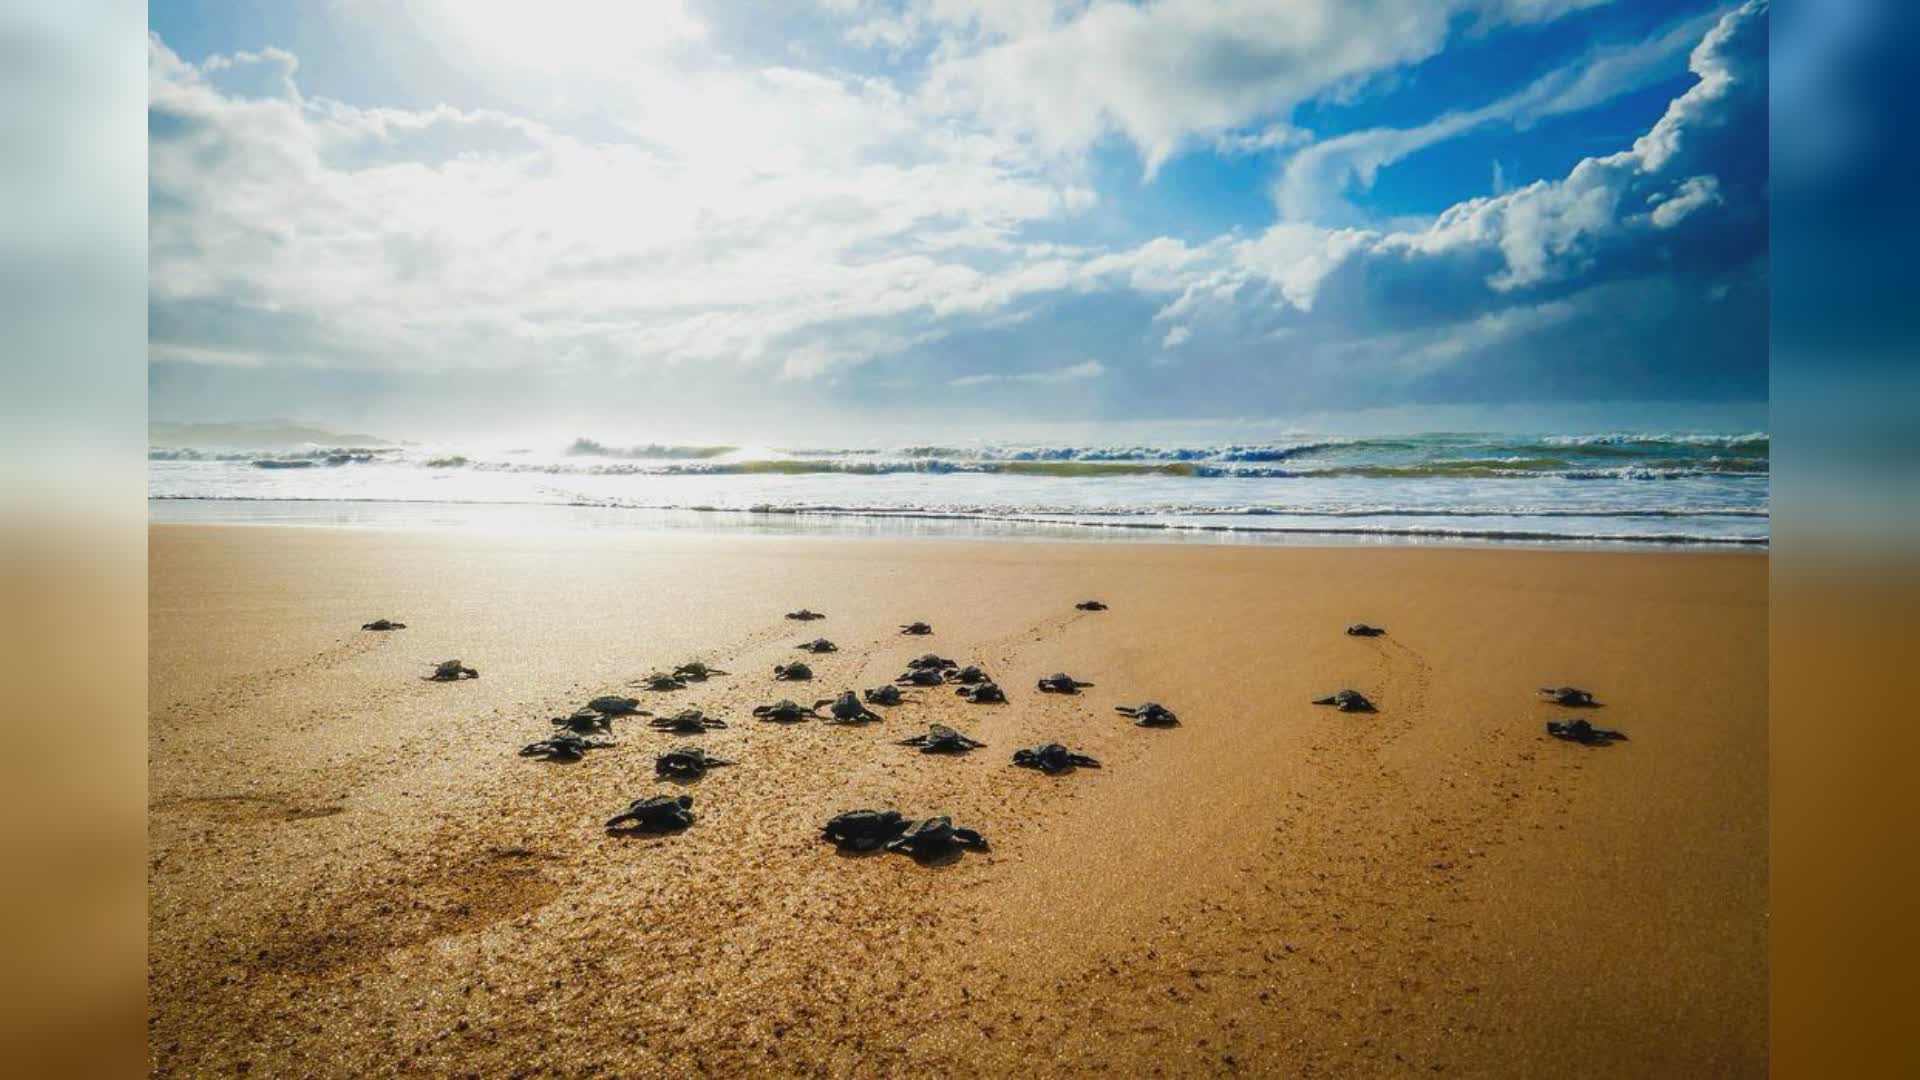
(1148, 714)
(613, 705)
(863, 830)
(654, 813)
(1347, 701)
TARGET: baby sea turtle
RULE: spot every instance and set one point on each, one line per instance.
(1361, 629)
(1062, 683)
(986, 693)
(846, 709)
(660, 680)
(1148, 714)
(1569, 697)
(969, 675)
(792, 671)
(1346, 701)
(1051, 758)
(921, 677)
(383, 624)
(928, 660)
(863, 830)
(586, 722)
(563, 747)
(804, 615)
(883, 695)
(933, 837)
(686, 762)
(686, 722)
(941, 739)
(1582, 732)
(696, 671)
(784, 712)
(654, 813)
(1091, 605)
(614, 705)
(818, 645)
(916, 628)
(451, 671)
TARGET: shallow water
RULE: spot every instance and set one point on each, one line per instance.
(1658, 489)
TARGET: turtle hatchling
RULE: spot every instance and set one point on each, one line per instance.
(1051, 758)
(818, 645)
(863, 830)
(686, 762)
(1569, 697)
(929, 660)
(451, 671)
(935, 836)
(1091, 605)
(916, 628)
(1062, 683)
(614, 705)
(585, 722)
(941, 739)
(921, 677)
(882, 695)
(846, 709)
(968, 675)
(1581, 731)
(383, 624)
(1148, 714)
(1346, 701)
(563, 747)
(653, 814)
(792, 671)
(784, 712)
(686, 722)
(1361, 629)
(804, 615)
(986, 693)
(662, 681)
(696, 672)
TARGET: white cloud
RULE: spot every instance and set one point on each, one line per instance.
(1312, 185)
(1088, 369)
(1166, 73)
(767, 222)
(1692, 194)
(434, 239)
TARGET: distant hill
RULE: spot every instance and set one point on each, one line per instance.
(253, 435)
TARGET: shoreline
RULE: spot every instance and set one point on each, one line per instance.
(378, 883)
(892, 524)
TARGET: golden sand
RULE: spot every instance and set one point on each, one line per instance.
(352, 872)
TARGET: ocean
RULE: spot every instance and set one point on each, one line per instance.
(1596, 489)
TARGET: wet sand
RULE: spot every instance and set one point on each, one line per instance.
(352, 872)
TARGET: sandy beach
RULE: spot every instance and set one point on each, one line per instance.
(352, 872)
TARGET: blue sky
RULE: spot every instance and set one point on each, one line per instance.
(953, 213)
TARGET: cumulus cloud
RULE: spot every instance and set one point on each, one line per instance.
(1167, 73)
(1706, 150)
(1314, 182)
(334, 234)
(763, 224)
